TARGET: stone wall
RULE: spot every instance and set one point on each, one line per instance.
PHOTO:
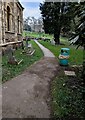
(20, 38)
(9, 37)
(12, 31)
(0, 22)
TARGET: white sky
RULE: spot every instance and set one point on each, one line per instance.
(31, 8)
(31, 0)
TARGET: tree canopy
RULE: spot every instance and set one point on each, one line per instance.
(55, 16)
(64, 16)
(78, 37)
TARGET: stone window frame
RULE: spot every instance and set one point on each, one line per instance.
(19, 18)
(19, 22)
(8, 17)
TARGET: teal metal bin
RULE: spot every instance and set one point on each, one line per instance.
(64, 56)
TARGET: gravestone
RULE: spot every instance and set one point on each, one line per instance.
(27, 39)
(70, 73)
(52, 42)
(22, 44)
(29, 50)
(10, 54)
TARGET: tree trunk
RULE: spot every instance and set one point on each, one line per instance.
(57, 37)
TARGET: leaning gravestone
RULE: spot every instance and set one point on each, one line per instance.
(52, 42)
(27, 42)
(22, 45)
(27, 39)
(11, 57)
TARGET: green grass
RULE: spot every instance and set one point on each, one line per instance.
(76, 55)
(66, 92)
(36, 34)
(67, 102)
(9, 71)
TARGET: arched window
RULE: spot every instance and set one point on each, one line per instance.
(8, 18)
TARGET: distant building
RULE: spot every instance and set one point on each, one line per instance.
(37, 28)
(11, 21)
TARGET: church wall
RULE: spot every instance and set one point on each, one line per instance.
(11, 18)
(0, 22)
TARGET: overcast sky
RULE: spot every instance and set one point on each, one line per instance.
(31, 8)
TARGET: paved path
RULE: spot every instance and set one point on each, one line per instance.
(46, 52)
(27, 95)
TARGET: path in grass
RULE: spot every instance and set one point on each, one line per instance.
(76, 55)
(27, 95)
(46, 52)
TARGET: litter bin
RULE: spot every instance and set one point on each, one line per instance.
(64, 56)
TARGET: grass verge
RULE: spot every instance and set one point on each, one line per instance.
(67, 97)
(76, 55)
(9, 71)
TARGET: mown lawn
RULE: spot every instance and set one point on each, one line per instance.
(9, 71)
(76, 55)
(36, 34)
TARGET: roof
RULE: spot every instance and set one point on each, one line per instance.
(20, 5)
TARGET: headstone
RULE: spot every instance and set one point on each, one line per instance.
(52, 42)
(27, 41)
(70, 73)
(22, 45)
(30, 48)
(11, 57)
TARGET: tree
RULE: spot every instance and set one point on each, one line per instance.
(31, 22)
(54, 16)
(78, 37)
(39, 21)
(26, 26)
(34, 22)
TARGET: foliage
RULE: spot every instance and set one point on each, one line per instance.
(26, 27)
(78, 37)
(32, 22)
(55, 16)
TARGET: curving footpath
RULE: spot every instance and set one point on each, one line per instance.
(46, 52)
(28, 94)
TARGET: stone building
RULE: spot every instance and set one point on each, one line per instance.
(11, 21)
(38, 28)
